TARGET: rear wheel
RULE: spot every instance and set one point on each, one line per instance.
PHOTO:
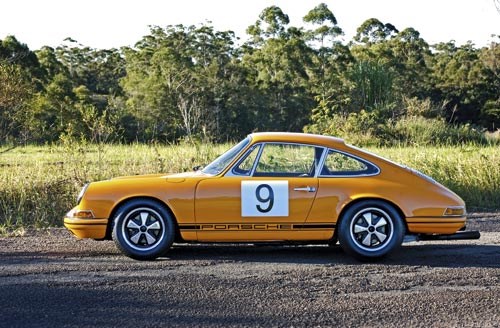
(370, 230)
(143, 229)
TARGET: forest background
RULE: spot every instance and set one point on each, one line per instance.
(385, 86)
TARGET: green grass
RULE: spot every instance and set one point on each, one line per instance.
(38, 184)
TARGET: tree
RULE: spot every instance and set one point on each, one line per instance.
(372, 31)
(330, 60)
(179, 76)
(411, 55)
(158, 73)
(222, 83)
(460, 78)
(326, 25)
(15, 92)
(277, 70)
(14, 52)
(20, 77)
(490, 111)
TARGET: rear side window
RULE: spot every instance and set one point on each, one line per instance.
(340, 164)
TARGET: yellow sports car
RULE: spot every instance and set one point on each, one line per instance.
(273, 187)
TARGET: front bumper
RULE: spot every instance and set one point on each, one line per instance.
(87, 228)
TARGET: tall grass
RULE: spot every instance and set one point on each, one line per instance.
(39, 184)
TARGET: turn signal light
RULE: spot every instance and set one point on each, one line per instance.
(81, 214)
(455, 211)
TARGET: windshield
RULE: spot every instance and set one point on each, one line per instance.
(223, 160)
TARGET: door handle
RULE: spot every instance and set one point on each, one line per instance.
(308, 189)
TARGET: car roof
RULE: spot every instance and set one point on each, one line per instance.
(305, 138)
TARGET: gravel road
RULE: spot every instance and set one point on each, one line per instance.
(50, 279)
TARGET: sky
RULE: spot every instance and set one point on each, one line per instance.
(115, 23)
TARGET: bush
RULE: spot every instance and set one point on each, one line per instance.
(416, 122)
(420, 131)
(356, 128)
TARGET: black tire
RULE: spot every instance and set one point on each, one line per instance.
(143, 229)
(370, 230)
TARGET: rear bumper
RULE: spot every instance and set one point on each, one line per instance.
(87, 228)
(435, 225)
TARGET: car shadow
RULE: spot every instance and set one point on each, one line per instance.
(435, 255)
(447, 255)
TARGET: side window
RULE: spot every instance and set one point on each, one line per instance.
(341, 164)
(288, 160)
(244, 167)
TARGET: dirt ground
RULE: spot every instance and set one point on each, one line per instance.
(50, 279)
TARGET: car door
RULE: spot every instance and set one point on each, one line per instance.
(267, 195)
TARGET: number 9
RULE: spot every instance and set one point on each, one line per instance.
(269, 199)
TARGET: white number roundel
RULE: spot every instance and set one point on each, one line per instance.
(264, 198)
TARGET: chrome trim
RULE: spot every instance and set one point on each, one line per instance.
(259, 154)
(322, 161)
(350, 175)
(231, 173)
(308, 189)
(82, 193)
(236, 158)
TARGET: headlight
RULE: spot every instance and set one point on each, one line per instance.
(82, 192)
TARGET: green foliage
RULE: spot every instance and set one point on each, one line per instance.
(360, 128)
(420, 131)
(372, 31)
(15, 93)
(373, 85)
(416, 123)
(181, 82)
(197, 83)
(278, 71)
(326, 23)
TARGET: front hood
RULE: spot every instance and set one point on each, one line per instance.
(141, 176)
(168, 176)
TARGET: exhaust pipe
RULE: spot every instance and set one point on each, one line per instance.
(460, 235)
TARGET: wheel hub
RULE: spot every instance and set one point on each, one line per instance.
(142, 229)
(371, 229)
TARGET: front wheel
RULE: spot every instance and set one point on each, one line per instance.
(371, 230)
(143, 229)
